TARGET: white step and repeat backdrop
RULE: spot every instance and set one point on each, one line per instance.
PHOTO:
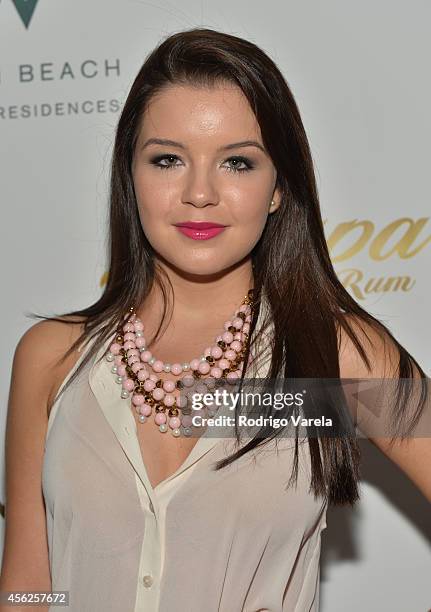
(360, 74)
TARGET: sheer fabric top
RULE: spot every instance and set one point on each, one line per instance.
(232, 540)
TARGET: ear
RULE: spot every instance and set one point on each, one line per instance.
(276, 200)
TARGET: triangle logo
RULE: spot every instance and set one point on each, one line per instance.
(25, 10)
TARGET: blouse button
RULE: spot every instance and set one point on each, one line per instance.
(147, 580)
(151, 507)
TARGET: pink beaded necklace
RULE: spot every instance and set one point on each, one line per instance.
(132, 363)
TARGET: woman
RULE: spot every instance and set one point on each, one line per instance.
(218, 269)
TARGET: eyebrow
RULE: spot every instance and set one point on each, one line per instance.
(233, 145)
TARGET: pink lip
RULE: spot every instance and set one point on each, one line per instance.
(200, 234)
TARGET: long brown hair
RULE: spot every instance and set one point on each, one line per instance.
(291, 262)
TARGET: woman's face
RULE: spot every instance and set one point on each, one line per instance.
(202, 174)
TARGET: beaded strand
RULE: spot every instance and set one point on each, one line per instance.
(133, 361)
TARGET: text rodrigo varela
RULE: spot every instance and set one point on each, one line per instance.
(213, 401)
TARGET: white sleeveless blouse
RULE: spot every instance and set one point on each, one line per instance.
(232, 540)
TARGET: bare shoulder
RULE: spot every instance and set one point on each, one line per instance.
(39, 350)
(378, 345)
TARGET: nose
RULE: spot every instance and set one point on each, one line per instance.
(199, 189)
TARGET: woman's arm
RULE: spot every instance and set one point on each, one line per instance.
(413, 454)
(25, 564)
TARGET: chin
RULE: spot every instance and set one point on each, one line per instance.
(198, 266)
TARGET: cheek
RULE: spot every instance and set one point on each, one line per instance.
(250, 196)
(251, 211)
(251, 214)
(156, 231)
(153, 201)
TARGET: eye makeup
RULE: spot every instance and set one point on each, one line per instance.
(249, 165)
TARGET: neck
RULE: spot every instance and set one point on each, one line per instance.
(199, 297)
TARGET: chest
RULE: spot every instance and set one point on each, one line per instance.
(162, 453)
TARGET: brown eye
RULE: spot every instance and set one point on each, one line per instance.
(239, 164)
(156, 161)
